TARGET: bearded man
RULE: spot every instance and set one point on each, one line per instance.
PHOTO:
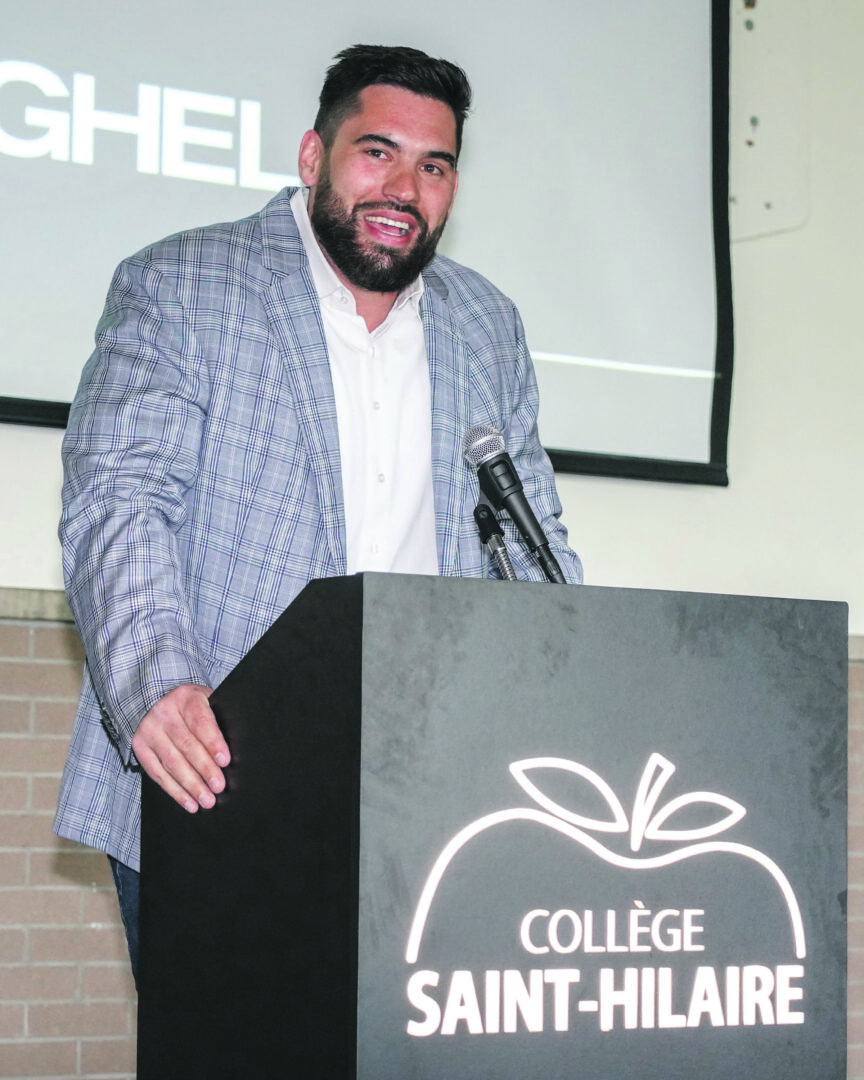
(270, 401)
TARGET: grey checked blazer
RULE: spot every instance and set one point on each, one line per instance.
(203, 486)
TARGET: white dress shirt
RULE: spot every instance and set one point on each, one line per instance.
(384, 413)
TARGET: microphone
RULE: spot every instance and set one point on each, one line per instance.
(483, 448)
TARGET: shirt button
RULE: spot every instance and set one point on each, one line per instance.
(376, 405)
(380, 477)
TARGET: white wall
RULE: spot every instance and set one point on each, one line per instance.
(30, 500)
(792, 520)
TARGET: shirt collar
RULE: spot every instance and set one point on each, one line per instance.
(327, 284)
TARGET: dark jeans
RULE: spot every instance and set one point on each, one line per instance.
(126, 882)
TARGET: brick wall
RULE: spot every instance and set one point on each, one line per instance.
(67, 1003)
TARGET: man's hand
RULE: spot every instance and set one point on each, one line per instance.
(179, 745)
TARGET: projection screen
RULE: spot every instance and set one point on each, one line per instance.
(593, 186)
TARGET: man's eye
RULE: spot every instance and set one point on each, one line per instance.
(375, 151)
(436, 170)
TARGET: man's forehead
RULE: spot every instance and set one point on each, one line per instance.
(394, 112)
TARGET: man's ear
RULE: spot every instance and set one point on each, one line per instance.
(310, 158)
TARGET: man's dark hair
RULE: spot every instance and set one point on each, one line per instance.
(360, 66)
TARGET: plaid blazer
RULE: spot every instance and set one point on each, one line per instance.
(202, 485)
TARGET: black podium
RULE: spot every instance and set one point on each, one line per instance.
(483, 831)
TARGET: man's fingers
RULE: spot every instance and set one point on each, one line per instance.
(185, 760)
(202, 724)
(151, 764)
(184, 755)
(180, 746)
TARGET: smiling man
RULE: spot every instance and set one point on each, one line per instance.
(396, 163)
(270, 401)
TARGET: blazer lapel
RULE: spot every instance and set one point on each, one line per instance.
(449, 376)
(295, 318)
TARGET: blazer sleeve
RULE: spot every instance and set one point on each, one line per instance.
(522, 439)
(131, 455)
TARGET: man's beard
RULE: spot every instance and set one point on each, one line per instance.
(370, 266)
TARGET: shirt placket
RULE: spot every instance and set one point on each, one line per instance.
(379, 409)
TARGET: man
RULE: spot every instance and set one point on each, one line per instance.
(271, 401)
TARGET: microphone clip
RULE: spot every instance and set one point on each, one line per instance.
(491, 535)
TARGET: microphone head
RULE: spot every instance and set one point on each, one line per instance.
(482, 442)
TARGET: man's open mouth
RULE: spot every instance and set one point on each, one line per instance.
(389, 225)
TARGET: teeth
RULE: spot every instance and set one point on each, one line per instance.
(389, 222)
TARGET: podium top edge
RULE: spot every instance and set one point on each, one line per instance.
(378, 576)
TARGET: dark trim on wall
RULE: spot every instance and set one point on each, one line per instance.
(53, 414)
(635, 468)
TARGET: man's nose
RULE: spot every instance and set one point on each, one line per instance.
(401, 184)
